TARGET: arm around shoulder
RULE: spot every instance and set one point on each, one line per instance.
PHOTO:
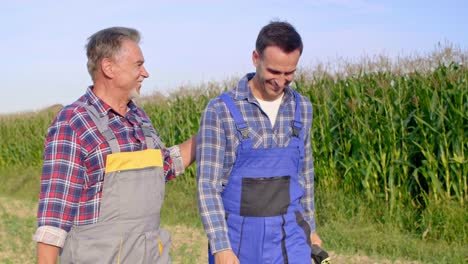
(188, 150)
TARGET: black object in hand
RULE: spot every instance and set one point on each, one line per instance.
(319, 255)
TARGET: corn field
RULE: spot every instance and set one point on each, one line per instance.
(393, 136)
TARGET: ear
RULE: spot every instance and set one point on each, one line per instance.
(255, 58)
(107, 67)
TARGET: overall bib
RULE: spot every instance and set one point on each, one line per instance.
(128, 229)
(262, 198)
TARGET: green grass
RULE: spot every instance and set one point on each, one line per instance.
(355, 225)
(17, 225)
(347, 227)
(180, 204)
(20, 182)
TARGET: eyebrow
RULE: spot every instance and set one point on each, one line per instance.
(278, 72)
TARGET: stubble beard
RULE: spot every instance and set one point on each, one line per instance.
(133, 94)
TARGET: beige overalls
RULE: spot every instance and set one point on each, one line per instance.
(128, 228)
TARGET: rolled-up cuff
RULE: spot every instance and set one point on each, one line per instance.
(177, 163)
(50, 235)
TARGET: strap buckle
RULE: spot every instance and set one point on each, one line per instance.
(243, 129)
(296, 128)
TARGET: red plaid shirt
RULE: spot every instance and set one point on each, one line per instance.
(74, 161)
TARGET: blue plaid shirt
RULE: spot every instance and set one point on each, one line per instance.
(216, 152)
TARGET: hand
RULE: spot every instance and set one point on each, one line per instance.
(226, 257)
(314, 237)
(188, 151)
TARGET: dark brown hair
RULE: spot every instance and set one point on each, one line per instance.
(280, 34)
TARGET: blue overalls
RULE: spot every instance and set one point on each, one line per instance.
(262, 198)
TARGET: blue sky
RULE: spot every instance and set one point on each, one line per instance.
(190, 42)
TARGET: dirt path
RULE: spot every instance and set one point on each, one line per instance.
(364, 259)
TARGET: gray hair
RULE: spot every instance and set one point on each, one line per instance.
(107, 43)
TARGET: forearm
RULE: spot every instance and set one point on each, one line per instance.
(47, 254)
(210, 204)
(212, 214)
(188, 150)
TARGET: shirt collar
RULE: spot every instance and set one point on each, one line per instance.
(243, 91)
(101, 106)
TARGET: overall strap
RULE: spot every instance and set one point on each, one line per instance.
(102, 124)
(146, 132)
(297, 124)
(241, 125)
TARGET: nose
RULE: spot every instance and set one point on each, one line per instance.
(144, 73)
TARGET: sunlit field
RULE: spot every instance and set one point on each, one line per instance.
(390, 143)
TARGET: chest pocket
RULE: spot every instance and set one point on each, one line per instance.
(134, 185)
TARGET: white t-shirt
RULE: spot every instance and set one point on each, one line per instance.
(271, 108)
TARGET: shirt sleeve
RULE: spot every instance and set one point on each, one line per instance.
(62, 182)
(173, 165)
(211, 143)
(307, 200)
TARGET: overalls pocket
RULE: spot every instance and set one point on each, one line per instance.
(263, 197)
(107, 250)
(146, 193)
(158, 245)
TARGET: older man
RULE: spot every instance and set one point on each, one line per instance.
(105, 167)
